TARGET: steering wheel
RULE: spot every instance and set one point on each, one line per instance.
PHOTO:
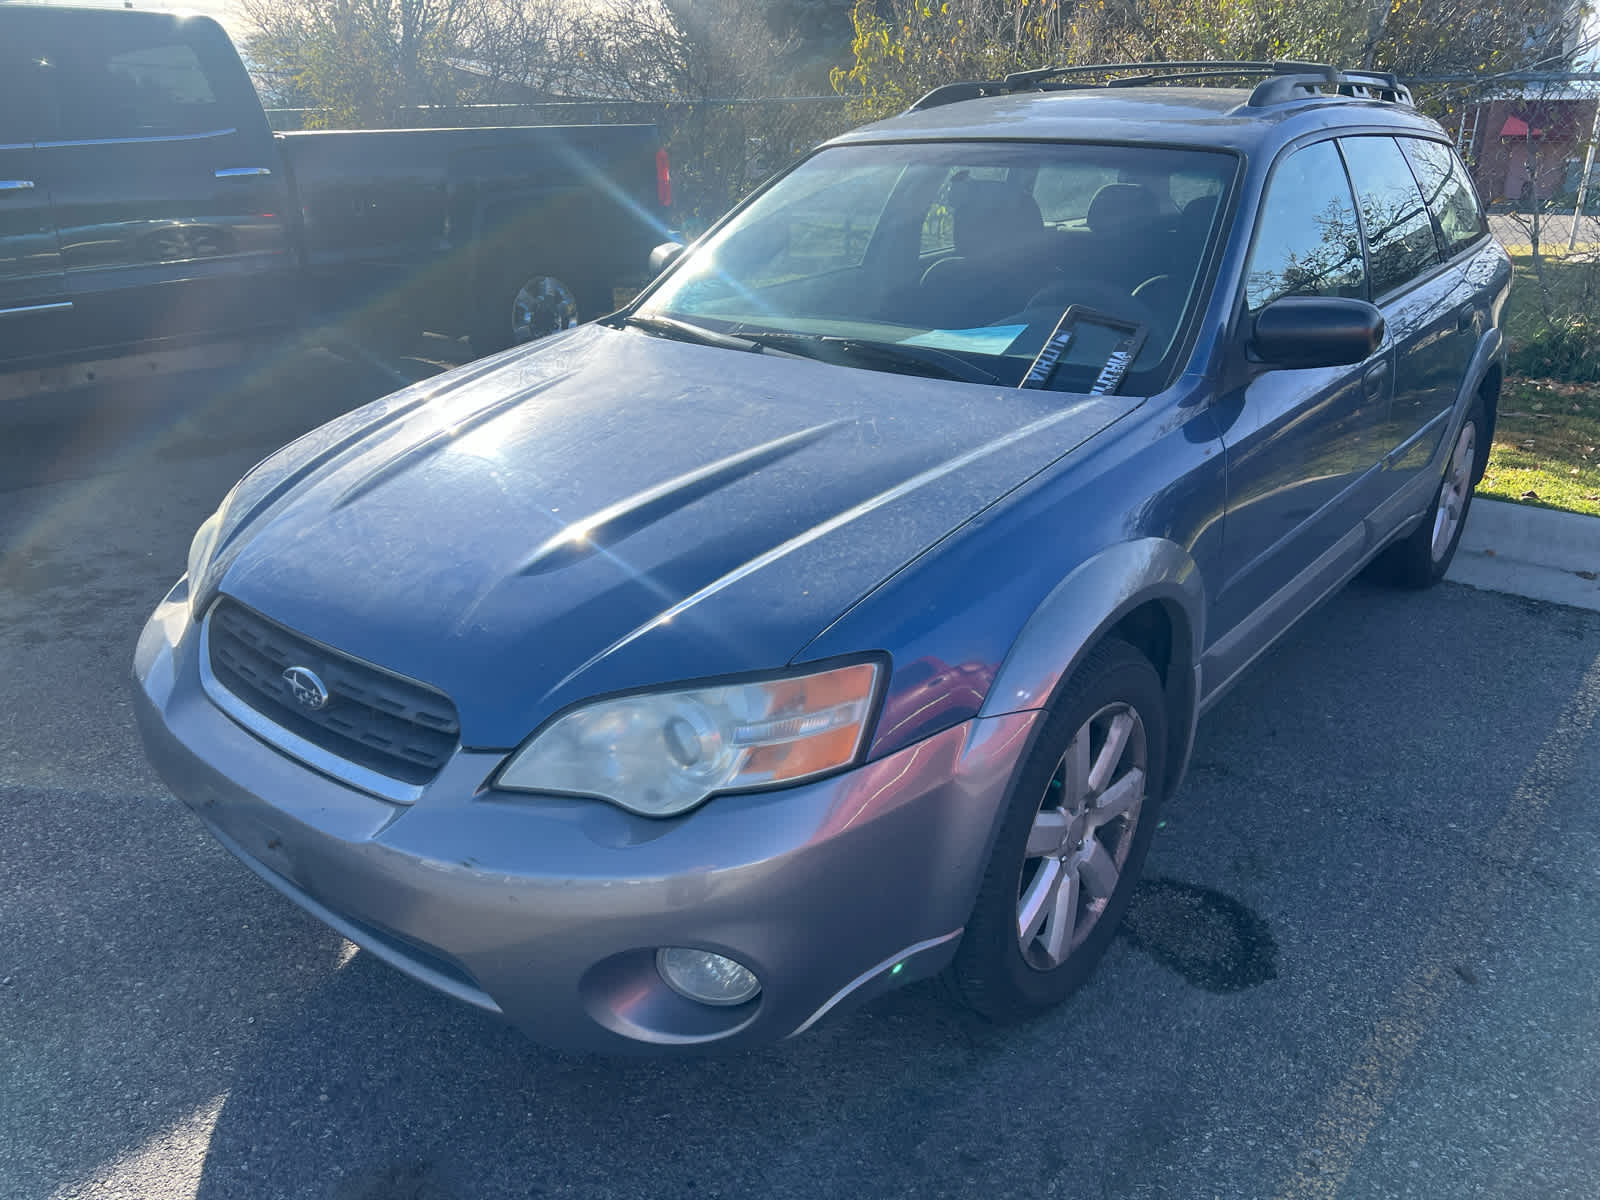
(1112, 301)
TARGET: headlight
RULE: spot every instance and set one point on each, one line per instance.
(205, 541)
(662, 753)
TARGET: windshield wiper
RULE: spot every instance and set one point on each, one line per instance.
(684, 331)
(844, 351)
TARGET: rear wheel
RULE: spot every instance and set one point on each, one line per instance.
(1421, 559)
(523, 307)
(1072, 843)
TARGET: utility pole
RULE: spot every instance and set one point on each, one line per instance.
(1583, 179)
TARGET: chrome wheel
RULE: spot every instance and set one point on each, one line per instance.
(1455, 491)
(542, 306)
(1080, 839)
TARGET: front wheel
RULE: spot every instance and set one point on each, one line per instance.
(1421, 559)
(1072, 842)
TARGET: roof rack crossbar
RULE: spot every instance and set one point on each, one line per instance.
(1287, 81)
(1360, 85)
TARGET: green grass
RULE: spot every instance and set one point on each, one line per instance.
(1546, 447)
(1523, 318)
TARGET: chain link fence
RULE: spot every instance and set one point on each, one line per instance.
(720, 148)
(1528, 139)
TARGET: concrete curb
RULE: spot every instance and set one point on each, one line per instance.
(1540, 537)
(1534, 552)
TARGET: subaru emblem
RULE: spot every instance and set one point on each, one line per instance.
(309, 691)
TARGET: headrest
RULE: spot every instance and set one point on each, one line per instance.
(989, 215)
(1123, 207)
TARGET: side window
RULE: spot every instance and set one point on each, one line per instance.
(1307, 240)
(1400, 241)
(1448, 189)
(1190, 186)
(120, 80)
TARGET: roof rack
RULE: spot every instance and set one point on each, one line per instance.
(1286, 81)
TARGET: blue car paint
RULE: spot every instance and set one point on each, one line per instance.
(422, 546)
(742, 512)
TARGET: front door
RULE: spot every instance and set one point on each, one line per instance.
(1301, 448)
(170, 203)
(33, 304)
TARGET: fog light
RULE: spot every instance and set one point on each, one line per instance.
(706, 977)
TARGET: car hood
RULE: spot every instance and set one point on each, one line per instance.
(610, 510)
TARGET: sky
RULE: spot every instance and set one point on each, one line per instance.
(224, 11)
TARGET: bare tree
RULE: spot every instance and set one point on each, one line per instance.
(704, 65)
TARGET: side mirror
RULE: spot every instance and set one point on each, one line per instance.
(664, 255)
(1315, 331)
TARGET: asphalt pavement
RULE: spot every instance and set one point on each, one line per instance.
(1363, 963)
(1515, 230)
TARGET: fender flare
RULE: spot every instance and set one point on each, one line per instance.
(1490, 352)
(1084, 607)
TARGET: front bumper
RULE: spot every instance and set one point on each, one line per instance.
(549, 910)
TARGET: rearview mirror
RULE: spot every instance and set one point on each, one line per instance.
(663, 256)
(1315, 331)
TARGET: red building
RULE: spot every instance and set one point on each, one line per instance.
(1527, 143)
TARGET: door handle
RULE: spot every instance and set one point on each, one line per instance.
(16, 185)
(241, 172)
(1375, 378)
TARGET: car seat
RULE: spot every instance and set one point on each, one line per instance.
(998, 233)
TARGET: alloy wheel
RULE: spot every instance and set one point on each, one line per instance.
(1080, 839)
(1455, 491)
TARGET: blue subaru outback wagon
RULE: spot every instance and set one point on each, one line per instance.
(839, 613)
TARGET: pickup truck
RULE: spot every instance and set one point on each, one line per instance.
(145, 201)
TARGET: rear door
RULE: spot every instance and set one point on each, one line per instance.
(1462, 228)
(33, 303)
(170, 205)
(1425, 301)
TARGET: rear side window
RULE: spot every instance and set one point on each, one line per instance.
(122, 79)
(1307, 241)
(1449, 192)
(1400, 241)
(818, 232)
(1065, 191)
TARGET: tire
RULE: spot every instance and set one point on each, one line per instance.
(1421, 559)
(1020, 955)
(523, 306)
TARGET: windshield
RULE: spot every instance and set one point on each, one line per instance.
(969, 251)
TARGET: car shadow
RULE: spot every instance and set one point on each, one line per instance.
(371, 1088)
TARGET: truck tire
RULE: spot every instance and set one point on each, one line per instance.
(523, 306)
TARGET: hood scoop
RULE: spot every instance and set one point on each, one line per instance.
(611, 525)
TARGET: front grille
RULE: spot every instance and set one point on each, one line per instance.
(383, 722)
